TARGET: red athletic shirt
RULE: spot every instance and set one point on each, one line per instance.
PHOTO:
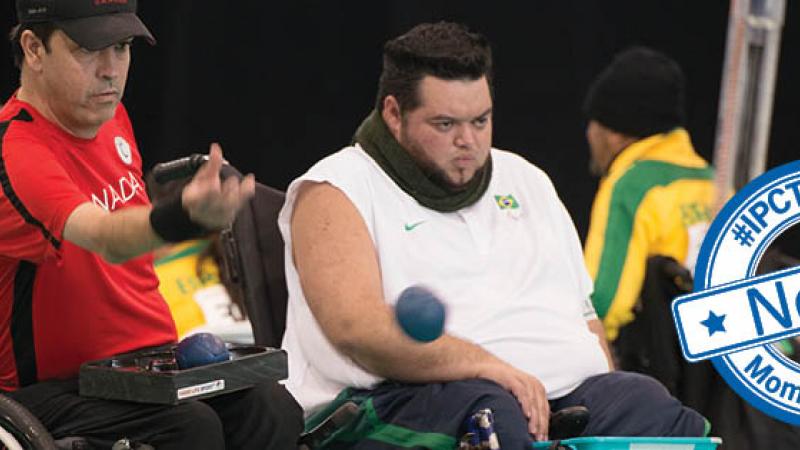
(61, 305)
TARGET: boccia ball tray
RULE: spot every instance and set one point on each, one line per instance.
(152, 376)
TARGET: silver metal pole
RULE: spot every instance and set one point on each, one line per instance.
(730, 101)
(747, 93)
(764, 26)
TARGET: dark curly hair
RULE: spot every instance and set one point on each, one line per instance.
(444, 50)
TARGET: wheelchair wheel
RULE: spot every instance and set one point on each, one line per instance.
(21, 430)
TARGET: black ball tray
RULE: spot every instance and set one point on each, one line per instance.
(152, 376)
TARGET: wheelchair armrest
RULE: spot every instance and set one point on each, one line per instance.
(568, 422)
(339, 418)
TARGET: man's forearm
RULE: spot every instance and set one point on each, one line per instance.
(117, 236)
(447, 359)
(206, 203)
(380, 347)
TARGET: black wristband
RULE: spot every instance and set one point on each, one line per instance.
(172, 223)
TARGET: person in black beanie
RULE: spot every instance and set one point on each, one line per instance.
(652, 207)
(656, 192)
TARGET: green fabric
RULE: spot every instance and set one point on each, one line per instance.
(374, 137)
(628, 193)
(368, 426)
(403, 437)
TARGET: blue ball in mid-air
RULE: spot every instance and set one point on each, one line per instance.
(420, 313)
(200, 349)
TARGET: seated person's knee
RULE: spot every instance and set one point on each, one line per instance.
(198, 422)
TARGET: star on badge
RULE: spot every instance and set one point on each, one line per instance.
(714, 323)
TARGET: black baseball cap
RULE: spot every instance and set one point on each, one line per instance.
(93, 24)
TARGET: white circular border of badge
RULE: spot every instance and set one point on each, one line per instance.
(729, 254)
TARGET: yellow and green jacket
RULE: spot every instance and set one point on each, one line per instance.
(179, 282)
(655, 200)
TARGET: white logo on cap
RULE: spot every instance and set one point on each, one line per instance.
(123, 149)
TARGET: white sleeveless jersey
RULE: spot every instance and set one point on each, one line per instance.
(509, 269)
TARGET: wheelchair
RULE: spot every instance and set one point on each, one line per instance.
(19, 429)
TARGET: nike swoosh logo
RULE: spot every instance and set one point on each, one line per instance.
(411, 226)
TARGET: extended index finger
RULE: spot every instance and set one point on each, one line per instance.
(214, 164)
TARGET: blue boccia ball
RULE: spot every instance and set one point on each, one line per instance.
(200, 349)
(420, 314)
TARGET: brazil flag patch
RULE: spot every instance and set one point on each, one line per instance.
(506, 201)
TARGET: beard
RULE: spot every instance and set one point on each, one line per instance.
(436, 174)
(595, 169)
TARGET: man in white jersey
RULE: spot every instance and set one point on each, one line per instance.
(422, 198)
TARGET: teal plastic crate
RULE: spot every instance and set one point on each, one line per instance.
(634, 443)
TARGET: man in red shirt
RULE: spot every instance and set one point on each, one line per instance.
(76, 235)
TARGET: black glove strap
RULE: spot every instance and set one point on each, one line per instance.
(172, 223)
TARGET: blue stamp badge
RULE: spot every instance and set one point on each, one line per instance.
(734, 316)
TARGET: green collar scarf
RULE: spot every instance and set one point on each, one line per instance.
(374, 137)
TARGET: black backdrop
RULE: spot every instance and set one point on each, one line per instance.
(281, 84)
